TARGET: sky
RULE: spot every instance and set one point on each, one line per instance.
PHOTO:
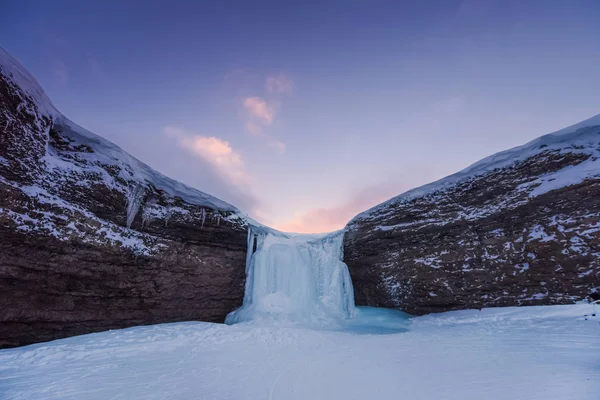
(304, 114)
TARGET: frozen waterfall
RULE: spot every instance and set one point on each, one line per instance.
(295, 278)
(301, 280)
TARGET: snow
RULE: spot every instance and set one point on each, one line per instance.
(430, 261)
(19, 75)
(46, 221)
(294, 278)
(529, 353)
(570, 175)
(537, 232)
(583, 134)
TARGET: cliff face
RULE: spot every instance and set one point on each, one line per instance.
(93, 239)
(521, 227)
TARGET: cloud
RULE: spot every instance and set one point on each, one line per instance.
(260, 113)
(259, 109)
(253, 128)
(216, 152)
(276, 144)
(60, 72)
(329, 219)
(279, 84)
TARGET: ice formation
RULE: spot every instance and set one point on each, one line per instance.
(134, 200)
(295, 278)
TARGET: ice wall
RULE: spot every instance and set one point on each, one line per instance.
(295, 278)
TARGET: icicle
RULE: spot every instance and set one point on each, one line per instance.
(249, 275)
(134, 201)
(146, 216)
(168, 215)
(149, 211)
(203, 213)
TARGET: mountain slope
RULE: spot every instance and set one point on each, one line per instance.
(519, 227)
(95, 239)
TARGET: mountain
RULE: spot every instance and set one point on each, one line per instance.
(92, 238)
(521, 227)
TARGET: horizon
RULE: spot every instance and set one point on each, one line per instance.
(269, 131)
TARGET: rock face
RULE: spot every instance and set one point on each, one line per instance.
(521, 227)
(93, 239)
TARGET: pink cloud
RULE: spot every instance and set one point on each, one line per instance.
(329, 219)
(217, 152)
(260, 113)
(254, 129)
(259, 109)
(279, 84)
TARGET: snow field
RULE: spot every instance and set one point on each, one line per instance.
(528, 353)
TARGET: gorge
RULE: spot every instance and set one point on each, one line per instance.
(93, 239)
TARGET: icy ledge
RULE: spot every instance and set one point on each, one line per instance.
(295, 279)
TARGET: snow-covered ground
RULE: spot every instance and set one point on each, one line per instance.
(504, 353)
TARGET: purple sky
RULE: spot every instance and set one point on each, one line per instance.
(304, 115)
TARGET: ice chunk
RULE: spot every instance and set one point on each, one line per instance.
(375, 320)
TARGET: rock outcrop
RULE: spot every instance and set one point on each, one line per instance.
(521, 227)
(93, 239)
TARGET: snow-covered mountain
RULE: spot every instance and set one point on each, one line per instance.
(519, 227)
(92, 238)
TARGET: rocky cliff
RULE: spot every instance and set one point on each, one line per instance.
(93, 239)
(521, 227)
